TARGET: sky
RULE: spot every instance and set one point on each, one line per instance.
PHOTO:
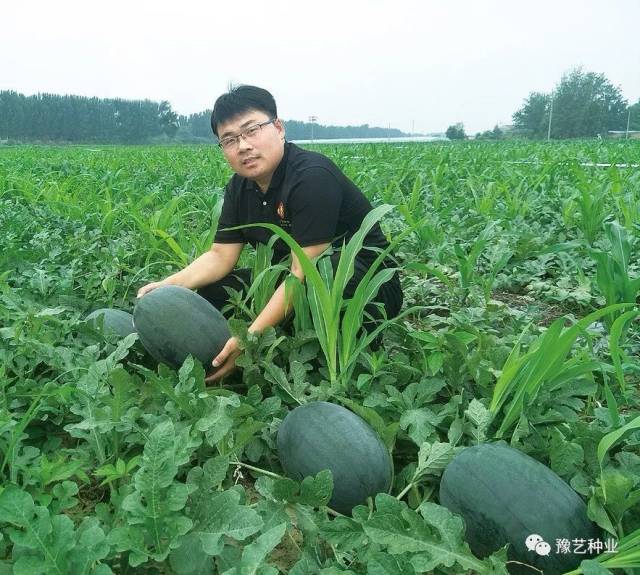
(418, 66)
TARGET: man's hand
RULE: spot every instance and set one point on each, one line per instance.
(225, 361)
(147, 288)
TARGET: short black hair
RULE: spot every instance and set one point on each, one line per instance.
(241, 99)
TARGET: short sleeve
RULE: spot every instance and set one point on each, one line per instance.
(314, 206)
(228, 219)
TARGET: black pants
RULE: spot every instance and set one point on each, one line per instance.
(389, 294)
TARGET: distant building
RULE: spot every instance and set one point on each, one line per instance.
(621, 134)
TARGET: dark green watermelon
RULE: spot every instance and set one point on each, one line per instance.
(114, 321)
(174, 322)
(505, 496)
(321, 435)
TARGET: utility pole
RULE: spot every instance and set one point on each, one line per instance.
(628, 121)
(550, 116)
(313, 120)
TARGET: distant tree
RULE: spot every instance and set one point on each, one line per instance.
(11, 113)
(168, 119)
(202, 124)
(587, 104)
(495, 134)
(634, 119)
(296, 130)
(533, 117)
(584, 104)
(456, 132)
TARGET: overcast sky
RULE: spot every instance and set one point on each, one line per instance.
(408, 64)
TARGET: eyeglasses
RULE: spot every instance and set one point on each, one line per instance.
(247, 134)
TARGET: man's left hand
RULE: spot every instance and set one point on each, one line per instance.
(225, 361)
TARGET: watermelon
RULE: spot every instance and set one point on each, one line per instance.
(321, 435)
(114, 321)
(174, 322)
(507, 497)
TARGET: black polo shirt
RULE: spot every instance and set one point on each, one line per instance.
(309, 197)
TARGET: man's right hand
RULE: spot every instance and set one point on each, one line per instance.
(147, 288)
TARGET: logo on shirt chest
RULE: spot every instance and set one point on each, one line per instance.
(284, 222)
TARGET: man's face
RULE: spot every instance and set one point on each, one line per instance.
(258, 156)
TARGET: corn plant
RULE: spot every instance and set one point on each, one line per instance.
(438, 182)
(545, 364)
(620, 360)
(516, 200)
(626, 556)
(617, 503)
(593, 210)
(338, 337)
(12, 431)
(628, 202)
(612, 269)
(264, 280)
(413, 208)
(484, 196)
(498, 259)
(467, 260)
(166, 231)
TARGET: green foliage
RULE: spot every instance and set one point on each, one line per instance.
(634, 116)
(338, 322)
(456, 132)
(495, 134)
(45, 543)
(627, 556)
(113, 460)
(545, 364)
(430, 538)
(153, 510)
(583, 104)
(613, 271)
(533, 116)
(591, 207)
(51, 118)
(297, 130)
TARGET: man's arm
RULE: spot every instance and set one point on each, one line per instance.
(210, 267)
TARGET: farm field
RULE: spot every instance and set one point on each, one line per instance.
(519, 264)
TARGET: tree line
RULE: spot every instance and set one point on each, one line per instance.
(55, 118)
(78, 119)
(582, 105)
(199, 126)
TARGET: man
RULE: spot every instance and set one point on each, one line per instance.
(275, 181)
